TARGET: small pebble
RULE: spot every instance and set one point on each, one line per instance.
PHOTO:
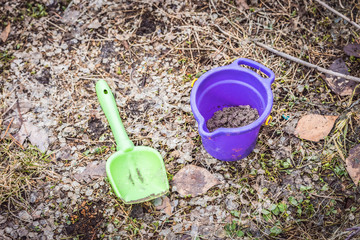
(110, 228)
(23, 215)
(89, 192)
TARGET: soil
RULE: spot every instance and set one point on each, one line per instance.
(232, 117)
(86, 220)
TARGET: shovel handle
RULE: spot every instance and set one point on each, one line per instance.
(108, 105)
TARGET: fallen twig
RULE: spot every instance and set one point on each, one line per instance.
(56, 25)
(337, 13)
(7, 129)
(356, 231)
(297, 60)
(294, 59)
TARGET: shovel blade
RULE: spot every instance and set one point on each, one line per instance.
(138, 175)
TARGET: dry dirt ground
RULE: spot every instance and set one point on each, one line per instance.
(53, 184)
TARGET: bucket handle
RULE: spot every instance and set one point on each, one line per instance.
(256, 65)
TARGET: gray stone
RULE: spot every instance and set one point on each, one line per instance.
(110, 228)
(69, 132)
(25, 216)
(3, 237)
(66, 188)
(36, 215)
(23, 232)
(43, 222)
(14, 234)
(33, 235)
(33, 197)
(89, 192)
(231, 205)
(48, 232)
(8, 230)
(2, 219)
(157, 201)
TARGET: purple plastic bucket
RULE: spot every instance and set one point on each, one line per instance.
(229, 86)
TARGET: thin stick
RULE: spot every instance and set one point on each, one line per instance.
(7, 129)
(16, 141)
(297, 60)
(337, 13)
(356, 231)
(56, 25)
(294, 59)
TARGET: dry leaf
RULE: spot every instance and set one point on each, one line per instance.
(5, 33)
(352, 50)
(242, 5)
(92, 171)
(314, 127)
(353, 164)
(165, 205)
(340, 85)
(37, 136)
(193, 180)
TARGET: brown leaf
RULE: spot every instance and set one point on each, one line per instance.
(5, 33)
(340, 85)
(242, 5)
(353, 164)
(193, 180)
(352, 50)
(314, 127)
(165, 205)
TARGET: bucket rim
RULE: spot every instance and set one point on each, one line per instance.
(266, 82)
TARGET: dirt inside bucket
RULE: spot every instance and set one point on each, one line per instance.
(232, 117)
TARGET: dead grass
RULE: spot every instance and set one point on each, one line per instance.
(20, 169)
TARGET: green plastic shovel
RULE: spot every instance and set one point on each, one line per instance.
(137, 174)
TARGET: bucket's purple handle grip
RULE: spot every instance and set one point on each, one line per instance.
(256, 65)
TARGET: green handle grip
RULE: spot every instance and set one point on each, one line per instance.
(108, 105)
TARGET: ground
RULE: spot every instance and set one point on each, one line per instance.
(53, 183)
